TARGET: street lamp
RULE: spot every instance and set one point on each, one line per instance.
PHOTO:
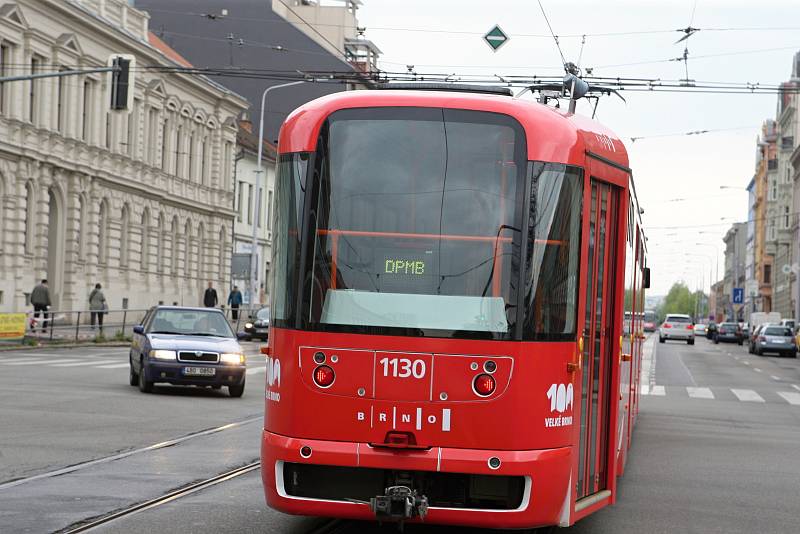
(259, 172)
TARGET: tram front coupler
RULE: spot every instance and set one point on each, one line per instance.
(399, 503)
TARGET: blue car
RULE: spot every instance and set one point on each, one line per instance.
(186, 346)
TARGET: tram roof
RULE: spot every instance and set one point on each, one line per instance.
(553, 135)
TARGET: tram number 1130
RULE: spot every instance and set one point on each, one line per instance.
(403, 368)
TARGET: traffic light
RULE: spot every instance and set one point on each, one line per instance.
(121, 81)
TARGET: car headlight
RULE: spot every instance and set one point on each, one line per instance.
(163, 354)
(248, 325)
(232, 358)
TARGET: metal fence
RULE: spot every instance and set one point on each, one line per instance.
(108, 325)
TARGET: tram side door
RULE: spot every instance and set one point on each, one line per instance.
(597, 393)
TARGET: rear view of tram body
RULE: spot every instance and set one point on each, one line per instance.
(449, 276)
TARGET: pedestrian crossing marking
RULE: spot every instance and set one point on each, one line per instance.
(791, 397)
(79, 364)
(775, 377)
(658, 391)
(256, 370)
(114, 366)
(42, 362)
(795, 386)
(645, 389)
(757, 370)
(699, 393)
(747, 395)
(18, 360)
(746, 363)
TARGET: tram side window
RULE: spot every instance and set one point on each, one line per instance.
(552, 264)
(290, 182)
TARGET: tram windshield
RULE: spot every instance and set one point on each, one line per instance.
(414, 224)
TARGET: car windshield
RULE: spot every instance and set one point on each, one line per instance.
(778, 331)
(190, 323)
(263, 314)
(677, 319)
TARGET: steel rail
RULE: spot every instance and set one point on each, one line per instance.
(164, 499)
(119, 456)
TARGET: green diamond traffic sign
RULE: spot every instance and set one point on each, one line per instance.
(496, 38)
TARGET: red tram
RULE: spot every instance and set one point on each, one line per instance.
(450, 274)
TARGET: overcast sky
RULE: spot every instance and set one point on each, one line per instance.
(665, 168)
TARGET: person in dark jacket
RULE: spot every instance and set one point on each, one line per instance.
(234, 301)
(210, 298)
(40, 298)
(97, 305)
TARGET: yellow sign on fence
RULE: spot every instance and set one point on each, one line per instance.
(12, 325)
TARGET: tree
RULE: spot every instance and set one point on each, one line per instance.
(681, 300)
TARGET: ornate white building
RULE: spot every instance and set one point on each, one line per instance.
(141, 202)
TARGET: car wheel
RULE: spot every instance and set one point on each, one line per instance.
(133, 378)
(145, 386)
(690, 341)
(236, 391)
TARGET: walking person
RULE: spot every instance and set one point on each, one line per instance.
(40, 298)
(234, 301)
(210, 298)
(97, 305)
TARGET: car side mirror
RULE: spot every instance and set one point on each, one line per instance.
(138, 329)
(646, 278)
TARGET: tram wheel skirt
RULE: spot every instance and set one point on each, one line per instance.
(337, 479)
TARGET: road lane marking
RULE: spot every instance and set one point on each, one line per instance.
(19, 360)
(795, 386)
(256, 370)
(790, 396)
(757, 370)
(775, 377)
(79, 364)
(746, 363)
(658, 391)
(645, 390)
(699, 393)
(747, 395)
(114, 366)
(42, 362)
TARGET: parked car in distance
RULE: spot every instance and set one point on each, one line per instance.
(776, 338)
(729, 332)
(788, 323)
(186, 346)
(711, 329)
(677, 326)
(258, 325)
(751, 341)
(700, 329)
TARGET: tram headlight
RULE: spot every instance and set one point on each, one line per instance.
(232, 358)
(160, 354)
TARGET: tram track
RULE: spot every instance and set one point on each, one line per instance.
(164, 499)
(120, 455)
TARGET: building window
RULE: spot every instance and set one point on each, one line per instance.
(786, 217)
(190, 174)
(164, 132)
(61, 104)
(86, 112)
(226, 161)
(4, 55)
(174, 251)
(203, 177)
(767, 274)
(773, 189)
(249, 203)
(241, 201)
(269, 212)
(133, 129)
(33, 96)
(30, 217)
(145, 263)
(108, 130)
(151, 142)
(102, 234)
(258, 207)
(160, 245)
(123, 237)
(178, 153)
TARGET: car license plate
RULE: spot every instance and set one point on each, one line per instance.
(199, 371)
